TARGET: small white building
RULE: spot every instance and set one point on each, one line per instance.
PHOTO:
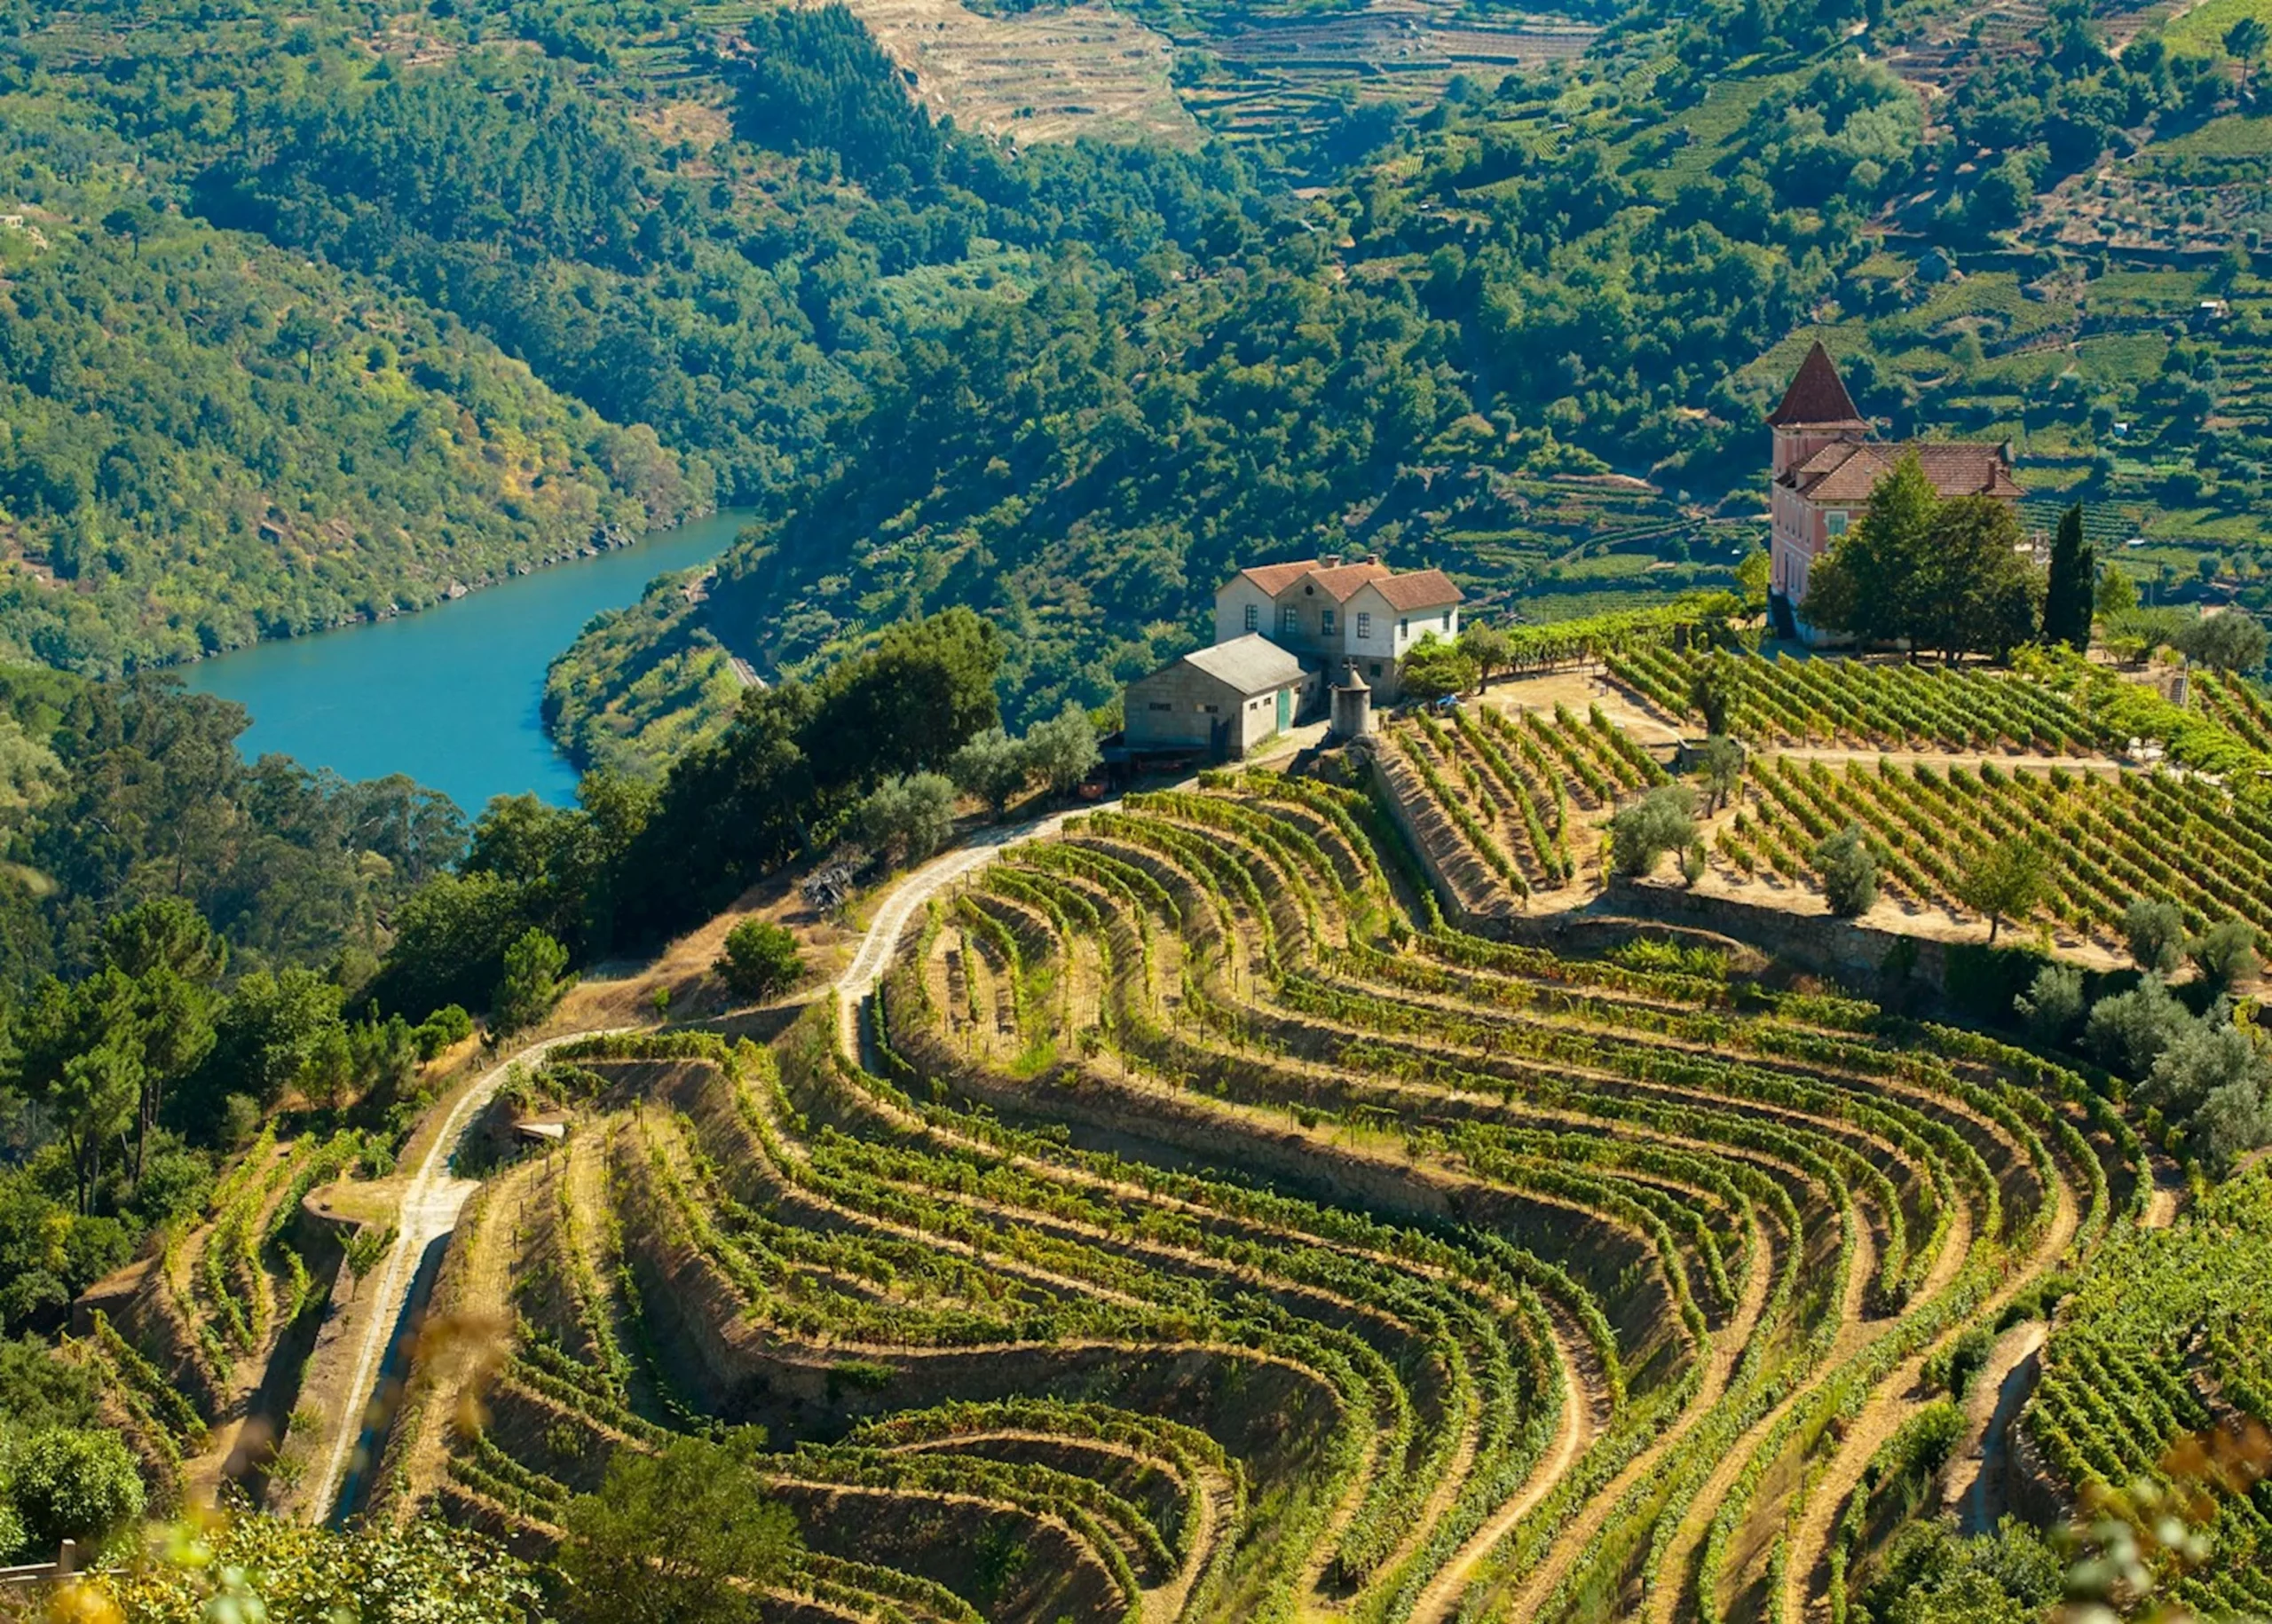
(1326, 613)
(1223, 700)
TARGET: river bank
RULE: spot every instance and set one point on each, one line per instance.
(452, 695)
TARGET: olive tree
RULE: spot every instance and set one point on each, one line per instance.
(1849, 869)
(1661, 821)
(2154, 927)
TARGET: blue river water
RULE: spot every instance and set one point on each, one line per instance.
(450, 696)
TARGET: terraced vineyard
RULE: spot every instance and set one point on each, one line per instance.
(1801, 701)
(2161, 1372)
(2109, 838)
(1216, 1230)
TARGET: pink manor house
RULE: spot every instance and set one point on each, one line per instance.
(1826, 464)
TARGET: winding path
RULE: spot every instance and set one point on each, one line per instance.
(434, 1197)
(431, 1204)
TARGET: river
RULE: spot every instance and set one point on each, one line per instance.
(451, 696)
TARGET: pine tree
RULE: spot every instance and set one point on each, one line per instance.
(2074, 569)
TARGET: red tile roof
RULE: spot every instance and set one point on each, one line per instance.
(1817, 396)
(1339, 582)
(1275, 578)
(1420, 590)
(1847, 473)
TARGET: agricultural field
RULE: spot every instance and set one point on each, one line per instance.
(189, 1344)
(1220, 1232)
(1935, 766)
(1184, 1216)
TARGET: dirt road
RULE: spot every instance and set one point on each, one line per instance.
(431, 1203)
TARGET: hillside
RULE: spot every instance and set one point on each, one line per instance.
(1608, 265)
(1535, 249)
(1363, 1182)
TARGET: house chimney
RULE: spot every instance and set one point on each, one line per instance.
(1333, 561)
(1372, 558)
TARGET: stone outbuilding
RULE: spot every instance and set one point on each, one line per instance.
(1222, 700)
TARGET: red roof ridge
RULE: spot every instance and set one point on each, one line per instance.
(1419, 589)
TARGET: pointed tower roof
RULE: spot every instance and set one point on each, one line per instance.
(1817, 396)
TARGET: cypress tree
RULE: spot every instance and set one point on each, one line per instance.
(2074, 571)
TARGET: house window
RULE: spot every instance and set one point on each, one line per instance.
(1325, 622)
(1208, 708)
(1447, 619)
(1159, 704)
(1837, 524)
(1290, 621)
(1254, 617)
(1376, 667)
(1364, 623)
(1404, 628)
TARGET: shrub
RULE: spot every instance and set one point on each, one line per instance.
(1968, 1357)
(762, 959)
(445, 1027)
(1661, 821)
(1848, 869)
(75, 1484)
(2155, 930)
(1435, 669)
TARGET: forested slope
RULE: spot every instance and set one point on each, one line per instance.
(1601, 269)
(1524, 332)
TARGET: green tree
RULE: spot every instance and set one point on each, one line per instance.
(531, 982)
(269, 1032)
(1661, 821)
(687, 1536)
(75, 1484)
(2129, 1031)
(1490, 649)
(2226, 953)
(1976, 591)
(1717, 690)
(2154, 929)
(908, 818)
(2004, 882)
(1435, 669)
(2233, 641)
(2244, 42)
(1869, 583)
(762, 959)
(1849, 869)
(2116, 594)
(1754, 575)
(2067, 598)
(992, 766)
(2213, 1081)
(1720, 764)
(904, 705)
(1061, 751)
(2053, 1004)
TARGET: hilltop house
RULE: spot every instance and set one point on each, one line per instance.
(1327, 614)
(1826, 464)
